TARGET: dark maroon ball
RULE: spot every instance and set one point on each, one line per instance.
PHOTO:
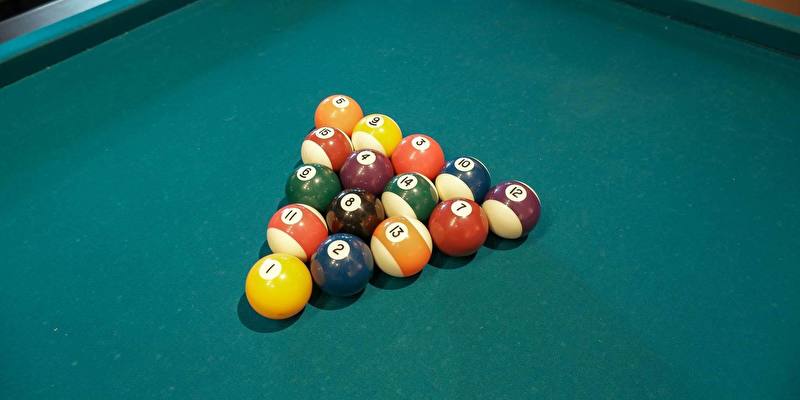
(355, 211)
(368, 170)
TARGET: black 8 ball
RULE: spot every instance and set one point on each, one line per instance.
(355, 211)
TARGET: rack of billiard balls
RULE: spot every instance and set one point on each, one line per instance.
(365, 195)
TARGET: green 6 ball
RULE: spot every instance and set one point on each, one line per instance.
(313, 185)
(410, 195)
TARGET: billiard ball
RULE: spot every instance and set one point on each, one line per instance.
(296, 229)
(513, 209)
(342, 265)
(459, 227)
(368, 170)
(418, 153)
(313, 185)
(463, 177)
(401, 246)
(410, 195)
(326, 146)
(355, 211)
(377, 132)
(278, 286)
(338, 111)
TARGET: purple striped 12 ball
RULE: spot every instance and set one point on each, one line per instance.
(513, 209)
(465, 178)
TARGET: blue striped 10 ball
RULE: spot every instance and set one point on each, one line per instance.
(465, 178)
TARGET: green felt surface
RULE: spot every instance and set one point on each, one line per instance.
(136, 179)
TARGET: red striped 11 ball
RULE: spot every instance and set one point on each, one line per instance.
(296, 229)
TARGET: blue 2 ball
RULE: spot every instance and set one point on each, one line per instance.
(342, 265)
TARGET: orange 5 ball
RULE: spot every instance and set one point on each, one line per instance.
(338, 111)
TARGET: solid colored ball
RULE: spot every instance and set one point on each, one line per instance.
(355, 211)
(513, 209)
(278, 286)
(401, 246)
(459, 227)
(464, 177)
(342, 265)
(326, 146)
(338, 111)
(418, 153)
(368, 170)
(377, 132)
(410, 195)
(296, 229)
(313, 185)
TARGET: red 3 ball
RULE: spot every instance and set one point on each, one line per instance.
(418, 153)
(458, 227)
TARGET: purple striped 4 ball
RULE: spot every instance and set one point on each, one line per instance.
(513, 209)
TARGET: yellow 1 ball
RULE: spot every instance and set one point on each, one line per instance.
(278, 286)
(377, 132)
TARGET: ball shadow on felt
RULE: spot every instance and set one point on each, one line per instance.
(264, 250)
(495, 242)
(443, 261)
(325, 301)
(256, 323)
(385, 281)
(282, 202)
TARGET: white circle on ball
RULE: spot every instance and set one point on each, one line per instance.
(516, 192)
(340, 102)
(350, 202)
(420, 143)
(291, 215)
(269, 269)
(324, 133)
(338, 249)
(461, 208)
(396, 232)
(366, 157)
(375, 121)
(464, 164)
(306, 172)
(407, 182)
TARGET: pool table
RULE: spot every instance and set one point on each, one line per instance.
(137, 178)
